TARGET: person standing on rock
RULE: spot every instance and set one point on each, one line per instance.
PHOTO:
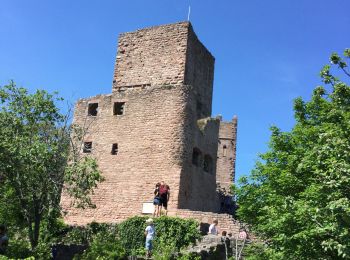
(213, 229)
(164, 192)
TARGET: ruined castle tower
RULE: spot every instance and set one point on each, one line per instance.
(156, 125)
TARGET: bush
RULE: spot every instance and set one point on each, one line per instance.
(164, 251)
(105, 246)
(172, 231)
(259, 251)
(85, 235)
(131, 233)
(177, 231)
(18, 248)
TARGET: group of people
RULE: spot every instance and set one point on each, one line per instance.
(213, 230)
(161, 198)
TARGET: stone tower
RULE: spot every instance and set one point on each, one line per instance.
(156, 125)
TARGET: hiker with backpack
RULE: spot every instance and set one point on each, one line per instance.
(164, 193)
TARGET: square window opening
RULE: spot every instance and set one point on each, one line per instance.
(119, 108)
(92, 109)
(87, 147)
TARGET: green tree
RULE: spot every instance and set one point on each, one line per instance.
(36, 159)
(297, 197)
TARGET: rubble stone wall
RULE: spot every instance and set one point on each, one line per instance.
(151, 56)
(150, 149)
(226, 156)
(163, 78)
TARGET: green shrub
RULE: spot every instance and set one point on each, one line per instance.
(177, 231)
(172, 231)
(164, 250)
(105, 246)
(188, 256)
(42, 251)
(131, 233)
(52, 230)
(18, 248)
(85, 235)
(258, 251)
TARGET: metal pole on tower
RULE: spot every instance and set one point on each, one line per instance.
(189, 12)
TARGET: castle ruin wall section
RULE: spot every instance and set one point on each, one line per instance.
(151, 56)
(163, 82)
(199, 73)
(150, 149)
(226, 155)
(198, 184)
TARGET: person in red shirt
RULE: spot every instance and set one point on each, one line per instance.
(164, 192)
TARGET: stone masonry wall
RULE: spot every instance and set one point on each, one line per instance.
(198, 186)
(150, 149)
(152, 56)
(200, 74)
(164, 75)
(226, 156)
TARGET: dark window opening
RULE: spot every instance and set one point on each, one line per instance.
(92, 109)
(87, 147)
(118, 108)
(196, 157)
(224, 150)
(114, 149)
(208, 164)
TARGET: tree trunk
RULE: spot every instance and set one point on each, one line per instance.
(30, 233)
(37, 220)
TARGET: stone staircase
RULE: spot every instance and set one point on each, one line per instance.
(225, 221)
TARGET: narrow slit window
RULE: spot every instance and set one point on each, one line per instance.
(119, 108)
(87, 147)
(224, 150)
(196, 157)
(114, 149)
(92, 109)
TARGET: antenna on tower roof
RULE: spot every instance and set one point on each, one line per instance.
(189, 12)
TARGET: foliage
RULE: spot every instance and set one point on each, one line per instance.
(18, 248)
(6, 258)
(180, 232)
(172, 231)
(35, 160)
(188, 256)
(164, 250)
(105, 246)
(84, 235)
(81, 173)
(259, 251)
(297, 197)
(131, 233)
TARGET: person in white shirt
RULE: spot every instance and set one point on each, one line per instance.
(213, 229)
(149, 233)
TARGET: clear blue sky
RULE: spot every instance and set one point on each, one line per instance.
(267, 52)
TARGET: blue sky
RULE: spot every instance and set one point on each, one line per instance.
(267, 52)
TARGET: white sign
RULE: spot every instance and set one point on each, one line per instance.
(147, 208)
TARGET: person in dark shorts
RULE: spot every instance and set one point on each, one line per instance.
(156, 201)
(164, 192)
